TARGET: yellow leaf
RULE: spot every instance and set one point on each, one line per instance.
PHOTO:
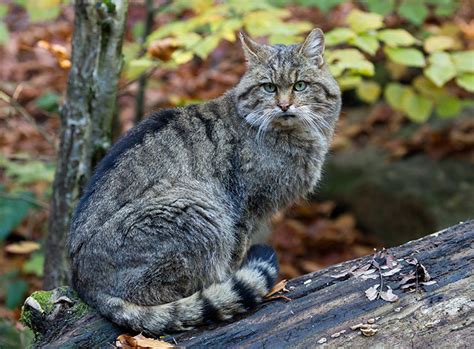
(368, 91)
(23, 247)
(361, 21)
(439, 43)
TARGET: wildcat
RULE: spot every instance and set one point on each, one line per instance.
(160, 240)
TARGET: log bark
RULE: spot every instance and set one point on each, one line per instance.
(321, 311)
(86, 119)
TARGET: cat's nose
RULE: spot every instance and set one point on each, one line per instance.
(284, 106)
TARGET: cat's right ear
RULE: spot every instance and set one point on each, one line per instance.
(254, 52)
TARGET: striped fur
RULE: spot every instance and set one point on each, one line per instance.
(159, 238)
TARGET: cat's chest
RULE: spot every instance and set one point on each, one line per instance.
(277, 176)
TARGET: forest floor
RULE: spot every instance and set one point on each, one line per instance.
(33, 77)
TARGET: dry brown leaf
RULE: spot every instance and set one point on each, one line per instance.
(281, 286)
(140, 342)
(23, 247)
(163, 49)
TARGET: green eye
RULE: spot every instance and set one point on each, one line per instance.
(269, 87)
(300, 86)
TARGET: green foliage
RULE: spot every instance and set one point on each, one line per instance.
(353, 53)
(212, 22)
(13, 338)
(13, 289)
(16, 202)
(34, 265)
(48, 101)
(27, 172)
(433, 57)
(13, 209)
(414, 11)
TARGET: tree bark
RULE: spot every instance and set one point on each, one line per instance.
(86, 119)
(322, 309)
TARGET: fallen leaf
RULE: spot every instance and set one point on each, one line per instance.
(23, 247)
(372, 292)
(432, 282)
(388, 295)
(344, 273)
(392, 271)
(281, 286)
(140, 341)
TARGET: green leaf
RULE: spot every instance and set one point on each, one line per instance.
(136, 67)
(3, 10)
(410, 57)
(137, 30)
(441, 68)
(43, 10)
(366, 43)
(206, 46)
(27, 172)
(466, 81)
(393, 95)
(16, 292)
(464, 61)
(418, 108)
(348, 82)
(368, 91)
(446, 9)
(4, 35)
(13, 209)
(381, 7)
(338, 36)
(34, 265)
(414, 11)
(396, 37)
(427, 88)
(438, 43)
(348, 54)
(323, 5)
(363, 21)
(48, 101)
(448, 106)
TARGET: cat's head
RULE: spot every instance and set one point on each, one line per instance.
(288, 87)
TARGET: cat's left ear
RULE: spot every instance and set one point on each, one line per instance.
(313, 46)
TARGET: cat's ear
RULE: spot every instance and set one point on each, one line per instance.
(313, 46)
(254, 52)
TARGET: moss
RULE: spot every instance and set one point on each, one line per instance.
(80, 308)
(44, 300)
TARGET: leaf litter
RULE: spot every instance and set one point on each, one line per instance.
(383, 265)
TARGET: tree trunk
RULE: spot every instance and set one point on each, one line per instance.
(86, 119)
(322, 310)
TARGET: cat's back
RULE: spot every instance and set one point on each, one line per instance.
(172, 145)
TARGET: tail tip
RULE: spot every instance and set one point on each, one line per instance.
(264, 253)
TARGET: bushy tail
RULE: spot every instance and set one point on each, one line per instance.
(240, 293)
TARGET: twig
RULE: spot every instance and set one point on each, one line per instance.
(24, 113)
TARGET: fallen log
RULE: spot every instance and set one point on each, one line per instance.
(328, 307)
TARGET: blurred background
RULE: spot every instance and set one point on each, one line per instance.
(402, 161)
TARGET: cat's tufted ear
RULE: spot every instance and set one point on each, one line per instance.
(313, 46)
(254, 52)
